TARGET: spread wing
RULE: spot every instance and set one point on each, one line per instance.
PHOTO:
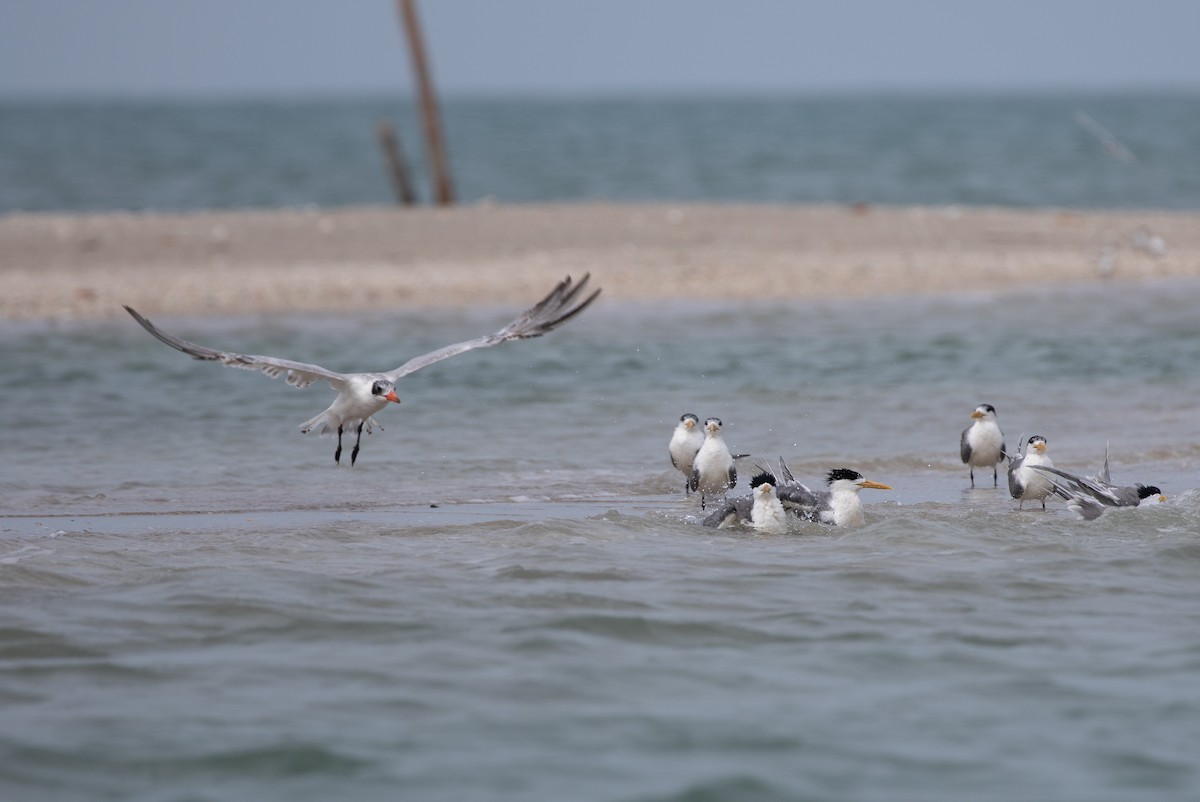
(299, 374)
(552, 311)
(1068, 485)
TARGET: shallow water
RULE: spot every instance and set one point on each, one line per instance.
(509, 596)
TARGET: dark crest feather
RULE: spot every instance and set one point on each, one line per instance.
(843, 473)
(1146, 491)
(762, 478)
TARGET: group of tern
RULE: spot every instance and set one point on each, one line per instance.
(700, 453)
(708, 468)
(1033, 477)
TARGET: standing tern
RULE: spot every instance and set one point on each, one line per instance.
(361, 395)
(685, 442)
(713, 470)
(1026, 484)
(982, 443)
(1089, 497)
(839, 506)
(760, 510)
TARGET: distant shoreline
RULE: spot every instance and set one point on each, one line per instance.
(85, 266)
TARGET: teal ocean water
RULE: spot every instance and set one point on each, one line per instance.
(1029, 151)
(510, 598)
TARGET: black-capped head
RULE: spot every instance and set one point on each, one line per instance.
(848, 474)
(687, 416)
(1146, 491)
(761, 479)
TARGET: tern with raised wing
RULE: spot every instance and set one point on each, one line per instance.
(361, 395)
(1090, 497)
(840, 505)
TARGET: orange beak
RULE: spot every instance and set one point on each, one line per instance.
(876, 485)
(391, 396)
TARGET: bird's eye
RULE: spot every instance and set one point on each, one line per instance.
(377, 388)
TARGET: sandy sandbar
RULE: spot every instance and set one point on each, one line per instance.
(84, 266)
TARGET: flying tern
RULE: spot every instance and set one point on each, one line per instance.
(1026, 484)
(685, 442)
(982, 443)
(361, 395)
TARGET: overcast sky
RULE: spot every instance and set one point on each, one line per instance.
(255, 47)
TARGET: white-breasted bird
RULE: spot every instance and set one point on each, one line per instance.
(713, 470)
(982, 443)
(760, 510)
(685, 442)
(1090, 497)
(1024, 483)
(840, 505)
(361, 395)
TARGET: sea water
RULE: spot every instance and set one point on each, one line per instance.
(510, 597)
(1073, 150)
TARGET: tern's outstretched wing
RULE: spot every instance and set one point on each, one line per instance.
(552, 311)
(299, 374)
(1068, 485)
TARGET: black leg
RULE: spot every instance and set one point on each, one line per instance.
(972, 469)
(337, 454)
(995, 481)
(354, 453)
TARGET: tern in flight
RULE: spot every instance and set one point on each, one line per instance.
(982, 443)
(361, 395)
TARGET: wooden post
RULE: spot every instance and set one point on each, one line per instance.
(390, 143)
(443, 190)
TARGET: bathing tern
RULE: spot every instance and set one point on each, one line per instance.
(361, 395)
(840, 505)
(1090, 497)
(1026, 484)
(760, 510)
(982, 443)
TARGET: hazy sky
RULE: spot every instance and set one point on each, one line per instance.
(189, 47)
